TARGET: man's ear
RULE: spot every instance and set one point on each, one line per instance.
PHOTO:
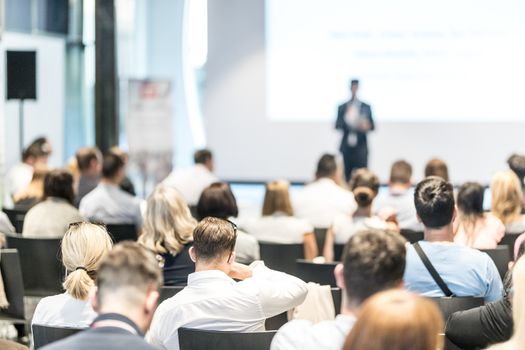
(192, 254)
(418, 219)
(231, 258)
(93, 293)
(339, 276)
(152, 298)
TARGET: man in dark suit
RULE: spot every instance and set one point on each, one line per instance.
(128, 283)
(354, 119)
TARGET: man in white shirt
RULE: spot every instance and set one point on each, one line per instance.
(107, 202)
(191, 182)
(374, 261)
(213, 300)
(322, 200)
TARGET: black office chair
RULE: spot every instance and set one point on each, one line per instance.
(277, 321)
(122, 232)
(14, 287)
(412, 236)
(16, 217)
(509, 240)
(43, 335)
(449, 305)
(198, 339)
(320, 237)
(42, 269)
(167, 292)
(338, 251)
(319, 273)
(193, 211)
(281, 257)
(501, 258)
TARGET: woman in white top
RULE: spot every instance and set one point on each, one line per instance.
(365, 186)
(277, 223)
(506, 196)
(84, 246)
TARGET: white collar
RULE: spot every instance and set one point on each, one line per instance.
(204, 277)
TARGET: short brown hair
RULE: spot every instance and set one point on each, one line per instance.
(86, 155)
(277, 199)
(59, 183)
(202, 156)
(217, 200)
(213, 237)
(373, 261)
(401, 172)
(128, 265)
(437, 167)
(397, 320)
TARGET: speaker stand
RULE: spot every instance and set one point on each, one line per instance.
(21, 125)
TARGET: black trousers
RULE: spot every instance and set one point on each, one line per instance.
(354, 158)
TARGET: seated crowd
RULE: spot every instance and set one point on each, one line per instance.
(191, 236)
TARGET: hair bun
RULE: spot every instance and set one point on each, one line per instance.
(363, 196)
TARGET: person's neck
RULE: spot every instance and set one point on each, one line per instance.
(108, 181)
(398, 187)
(201, 266)
(127, 311)
(90, 173)
(363, 212)
(443, 234)
(346, 308)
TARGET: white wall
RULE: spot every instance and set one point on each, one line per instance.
(248, 146)
(45, 116)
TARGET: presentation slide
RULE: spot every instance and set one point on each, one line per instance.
(417, 61)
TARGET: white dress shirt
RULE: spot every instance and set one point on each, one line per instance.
(109, 204)
(277, 228)
(304, 335)
(17, 179)
(345, 226)
(321, 201)
(214, 301)
(191, 182)
(63, 310)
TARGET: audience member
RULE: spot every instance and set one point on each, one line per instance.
(213, 300)
(516, 163)
(464, 271)
(399, 197)
(373, 261)
(89, 162)
(217, 200)
(278, 224)
(84, 246)
(364, 186)
(397, 320)
(473, 227)
(21, 174)
(191, 182)
(126, 297)
(518, 310)
(168, 232)
(489, 324)
(107, 202)
(437, 167)
(34, 192)
(506, 196)
(51, 217)
(126, 184)
(322, 200)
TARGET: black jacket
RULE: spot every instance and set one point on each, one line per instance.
(340, 124)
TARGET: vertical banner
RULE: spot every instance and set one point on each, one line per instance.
(149, 131)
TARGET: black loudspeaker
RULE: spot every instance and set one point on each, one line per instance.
(21, 75)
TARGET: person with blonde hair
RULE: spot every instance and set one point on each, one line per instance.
(517, 341)
(506, 199)
(168, 232)
(84, 246)
(34, 192)
(277, 223)
(397, 320)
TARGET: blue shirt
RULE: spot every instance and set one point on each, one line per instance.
(466, 271)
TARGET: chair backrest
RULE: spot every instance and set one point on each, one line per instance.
(42, 269)
(193, 211)
(509, 239)
(13, 283)
(449, 305)
(413, 236)
(167, 292)
(338, 251)
(122, 232)
(198, 339)
(318, 273)
(501, 258)
(320, 237)
(43, 335)
(16, 217)
(277, 321)
(281, 257)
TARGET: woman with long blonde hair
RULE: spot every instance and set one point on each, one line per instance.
(84, 246)
(397, 320)
(168, 232)
(506, 198)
